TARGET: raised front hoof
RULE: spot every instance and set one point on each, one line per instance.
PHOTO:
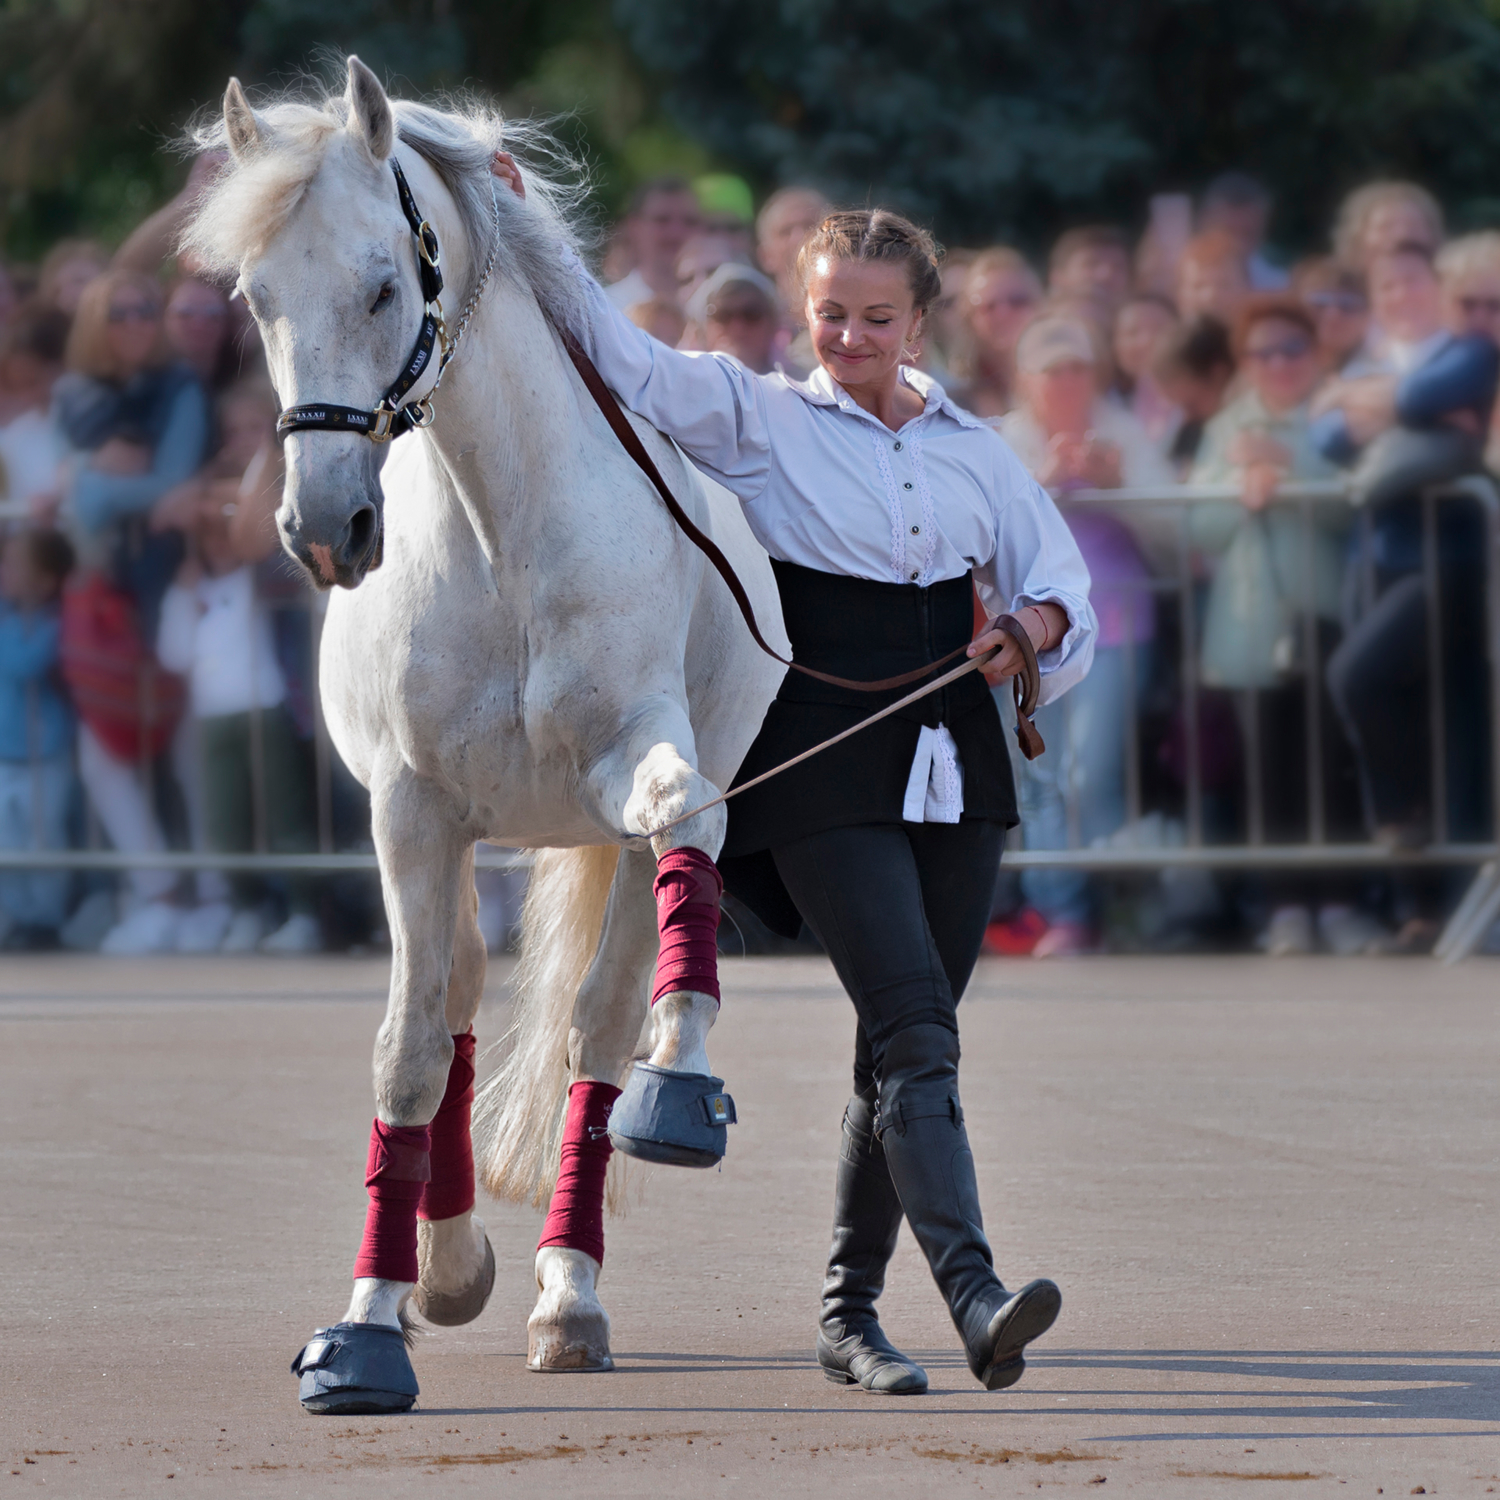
(453, 1309)
(355, 1369)
(1026, 1316)
(679, 1119)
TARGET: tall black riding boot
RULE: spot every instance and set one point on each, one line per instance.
(927, 1151)
(866, 1221)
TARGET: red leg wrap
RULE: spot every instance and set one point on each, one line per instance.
(576, 1217)
(450, 1191)
(688, 887)
(394, 1173)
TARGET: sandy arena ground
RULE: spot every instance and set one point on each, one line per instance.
(1268, 1191)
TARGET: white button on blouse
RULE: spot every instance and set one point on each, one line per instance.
(828, 486)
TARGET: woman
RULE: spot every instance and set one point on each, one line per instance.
(135, 425)
(1142, 328)
(1335, 296)
(1376, 218)
(1001, 295)
(876, 497)
(1212, 277)
(197, 327)
(1071, 438)
(1272, 565)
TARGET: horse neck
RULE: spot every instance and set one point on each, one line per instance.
(507, 424)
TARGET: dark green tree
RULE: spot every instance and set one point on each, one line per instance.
(1009, 119)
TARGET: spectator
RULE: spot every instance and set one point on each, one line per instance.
(1159, 252)
(1375, 219)
(736, 308)
(1142, 327)
(1194, 369)
(786, 218)
(663, 320)
(1335, 295)
(1002, 296)
(30, 362)
(1470, 272)
(663, 216)
(1091, 266)
(136, 424)
(1235, 204)
(197, 329)
(36, 734)
(727, 206)
(1070, 438)
(1273, 565)
(947, 340)
(1212, 279)
(1425, 422)
(218, 635)
(66, 270)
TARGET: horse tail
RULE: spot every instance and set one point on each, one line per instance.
(519, 1112)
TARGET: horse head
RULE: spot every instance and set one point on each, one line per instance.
(328, 268)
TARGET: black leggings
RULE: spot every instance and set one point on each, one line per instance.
(901, 909)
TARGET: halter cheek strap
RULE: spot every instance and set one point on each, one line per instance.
(390, 417)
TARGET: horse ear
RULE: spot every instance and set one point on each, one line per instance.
(371, 110)
(240, 124)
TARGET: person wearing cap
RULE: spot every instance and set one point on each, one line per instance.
(1072, 438)
(735, 309)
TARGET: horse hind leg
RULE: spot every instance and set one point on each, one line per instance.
(569, 1329)
(456, 1259)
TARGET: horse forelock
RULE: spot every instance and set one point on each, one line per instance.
(253, 196)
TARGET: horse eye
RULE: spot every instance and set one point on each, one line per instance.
(387, 291)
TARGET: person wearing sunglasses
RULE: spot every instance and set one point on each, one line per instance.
(1000, 298)
(1335, 296)
(1272, 565)
(135, 423)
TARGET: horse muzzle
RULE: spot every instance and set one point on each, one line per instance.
(338, 554)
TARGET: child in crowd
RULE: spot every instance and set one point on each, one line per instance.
(1194, 369)
(31, 358)
(36, 734)
(255, 781)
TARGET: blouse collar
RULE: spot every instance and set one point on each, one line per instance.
(820, 389)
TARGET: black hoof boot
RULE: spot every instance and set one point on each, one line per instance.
(927, 1148)
(356, 1368)
(852, 1349)
(677, 1118)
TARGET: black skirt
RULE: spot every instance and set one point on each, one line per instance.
(856, 628)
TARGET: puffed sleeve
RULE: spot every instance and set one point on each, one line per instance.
(709, 404)
(1036, 561)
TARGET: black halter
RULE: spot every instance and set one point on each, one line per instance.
(390, 418)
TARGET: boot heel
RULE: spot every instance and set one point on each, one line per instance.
(838, 1377)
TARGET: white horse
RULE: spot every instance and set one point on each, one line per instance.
(540, 658)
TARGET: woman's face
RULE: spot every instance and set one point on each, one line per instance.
(134, 323)
(1061, 397)
(1343, 318)
(1405, 297)
(1392, 224)
(1474, 304)
(1139, 331)
(1281, 361)
(1001, 304)
(71, 278)
(196, 321)
(862, 316)
(1214, 287)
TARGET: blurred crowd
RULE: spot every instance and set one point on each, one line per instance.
(156, 687)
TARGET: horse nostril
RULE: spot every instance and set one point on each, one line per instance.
(361, 532)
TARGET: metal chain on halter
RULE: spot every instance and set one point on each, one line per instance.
(450, 345)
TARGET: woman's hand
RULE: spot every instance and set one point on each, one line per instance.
(1258, 482)
(503, 166)
(1046, 624)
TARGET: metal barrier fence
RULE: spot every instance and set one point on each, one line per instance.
(1172, 597)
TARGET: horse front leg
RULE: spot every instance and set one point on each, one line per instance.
(456, 1258)
(361, 1364)
(673, 1109)
(569, 1329)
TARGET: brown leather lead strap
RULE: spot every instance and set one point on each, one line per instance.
(1026, 685)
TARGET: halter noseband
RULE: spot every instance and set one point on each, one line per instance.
(390, 417)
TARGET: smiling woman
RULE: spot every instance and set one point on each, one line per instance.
(882, 505)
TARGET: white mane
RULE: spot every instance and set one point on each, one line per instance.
(252, 199)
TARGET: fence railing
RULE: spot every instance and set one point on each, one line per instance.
(1166, 605)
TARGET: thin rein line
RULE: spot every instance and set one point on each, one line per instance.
(950, 676)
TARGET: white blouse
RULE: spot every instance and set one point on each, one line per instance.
(826, 485)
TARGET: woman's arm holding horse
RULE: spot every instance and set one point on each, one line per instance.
(708, 403)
